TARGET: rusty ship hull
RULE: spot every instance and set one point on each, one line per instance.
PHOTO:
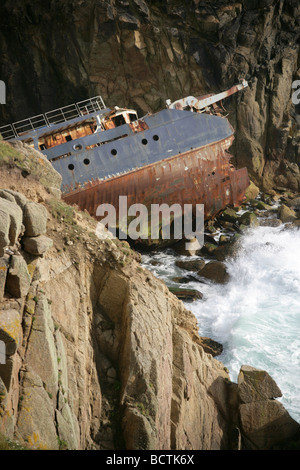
(178, 155)
(199, 176)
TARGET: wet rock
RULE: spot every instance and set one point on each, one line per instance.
(187, 247)
(286, 214)
(215, 271)
(249, 219)
(18, 278)
(270, 222)
(183, 279)
(35, 219)
(190, 265)
(251, 192)
(211, 347)
(37, 245)
(186, 294)
(229, 215)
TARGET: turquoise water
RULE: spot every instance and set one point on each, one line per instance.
(256, 316)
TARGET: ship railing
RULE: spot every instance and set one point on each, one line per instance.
(56, 116)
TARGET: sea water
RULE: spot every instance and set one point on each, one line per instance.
(256, 315)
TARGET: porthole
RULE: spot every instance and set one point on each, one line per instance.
(86, 161)
(77, 147)
(144, 141)
(71, 166)
(113, 152)
(155, 137)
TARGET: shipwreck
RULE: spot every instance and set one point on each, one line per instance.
(178, 155)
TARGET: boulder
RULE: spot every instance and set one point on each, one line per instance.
(286, 214)
(251, 192)
(35, 219)
(267, 425)
(264, 421)
(255, 385)
(18, 277)
(37, 245)
(249, 219)
(295, 202)
(229, 215)
(215, 271)
(188, 295)
(190, 265)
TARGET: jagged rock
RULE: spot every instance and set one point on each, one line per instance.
(18, 278)
(286, 214)
(37, 245)
(255, 385)
(10, 330)
(215, 271)
(35, 219)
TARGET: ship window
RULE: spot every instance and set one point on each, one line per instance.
(144, 141)
(43, 147)
(86, 161)
(114, 152)
(77, 147)
(155, 137)
(132, 117)
(71, 166)
(68, 138)
(119, 120)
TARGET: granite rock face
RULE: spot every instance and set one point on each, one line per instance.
(99, 354)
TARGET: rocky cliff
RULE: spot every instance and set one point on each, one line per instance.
(95, 352)
(139, 53)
